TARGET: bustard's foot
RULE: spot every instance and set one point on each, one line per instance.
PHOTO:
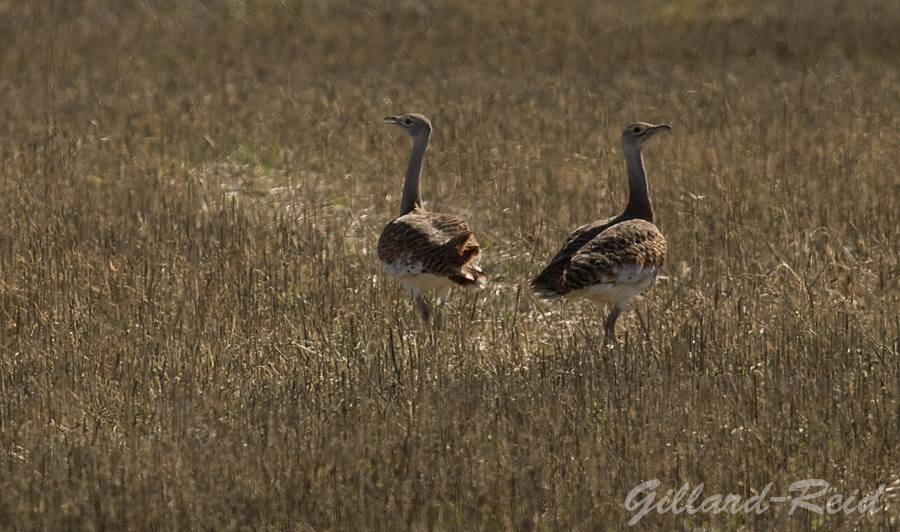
(611, 327)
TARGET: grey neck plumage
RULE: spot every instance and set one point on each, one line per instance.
(411, 199)
(638, 193)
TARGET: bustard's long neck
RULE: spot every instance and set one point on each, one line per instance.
(638, 193)
(411, 199)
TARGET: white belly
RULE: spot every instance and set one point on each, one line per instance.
(620, 288)
(415, 281)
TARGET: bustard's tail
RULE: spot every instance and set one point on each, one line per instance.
(462, 253)
(548, 283)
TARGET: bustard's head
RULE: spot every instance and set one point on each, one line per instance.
(639, 133)
(414, 124)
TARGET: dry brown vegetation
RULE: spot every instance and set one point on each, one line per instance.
(196, 335)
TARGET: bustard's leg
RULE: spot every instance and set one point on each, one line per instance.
(611, 325)
(439, 316)
(425, 309)
(442, 296)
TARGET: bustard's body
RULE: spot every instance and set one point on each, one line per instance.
(425, 251)
(613, 260)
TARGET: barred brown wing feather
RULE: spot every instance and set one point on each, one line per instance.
(632, 244)
(430, 243)
(549, 281)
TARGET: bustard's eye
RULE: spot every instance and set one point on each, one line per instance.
(636, 129)
(407, 121)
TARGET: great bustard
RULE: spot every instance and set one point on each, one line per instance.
(426, 250)
(612, 260)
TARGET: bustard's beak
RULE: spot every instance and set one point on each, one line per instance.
(653, 131)
(392, 120)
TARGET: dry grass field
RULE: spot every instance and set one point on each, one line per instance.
(195, 333)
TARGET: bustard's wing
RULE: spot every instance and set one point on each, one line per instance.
(425, 242)
(583, 235)
(547, 282)
(603, 252)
